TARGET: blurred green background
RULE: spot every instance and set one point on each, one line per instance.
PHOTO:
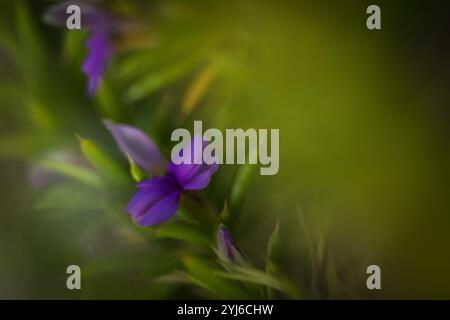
(364, 153)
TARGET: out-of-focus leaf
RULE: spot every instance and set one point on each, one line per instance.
(24, 144)
(205, 274)
(164, 265)
(195, 208)
(141, 62)
(225, 214)
(63, 199)
(148, 263)
(184, 231)
(41, 117)
(186, 213)
(102, 162)
(273, 255)
(243, 180)
(8, 43)
(310, 247)
(74, 171)
(198, 88)
(73, 45)
(251, 275)
(274, 250)
(11, 95)
(106, 102)
(29, 39)
(333, 283)
(241, 185)
(159, 79)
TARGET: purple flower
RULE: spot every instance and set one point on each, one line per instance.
(225, 243)
(99, 42)
(226, 249)
(193, 176)
(157, 199)
(100, 52)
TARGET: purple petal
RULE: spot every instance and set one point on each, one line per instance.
(225, 245)
(99, 43)
(138, 146)
(101, 50)
(156, 200)
(193, 176)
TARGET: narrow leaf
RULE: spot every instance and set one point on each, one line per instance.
(274, 250)
(204, 274)
(198, 88)
(184, 231)
(74, 171)
(251, 275)
(241, 185)
(102, 162)
(159, 79)
(135, 172)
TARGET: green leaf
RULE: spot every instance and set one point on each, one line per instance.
(251, 275)
(196, 207)
(241, 185)
(24, 144)
(187, 213)
(148, 263)
(11, 95)
(141, 62)
(33, 61)
(274, 250)
(107, 102)
(62, 200)
(225, 214)
(273, 256)
(102, 162)
(28, 32)
(242, 181)
(159, 79)
(9, 44)
(333, 283)
(199, 87)
(41, 116)
(73, 45)
(165, 265)
(205, 274)
(311, 248)
(135, 172)
(184, 231)
(74, 171)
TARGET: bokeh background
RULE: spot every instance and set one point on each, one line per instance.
(364, 153)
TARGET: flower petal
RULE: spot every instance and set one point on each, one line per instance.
(193, 176)
(138, 146)
(101, 50)
(227, 250)
(99, 43)
(156, 200)
(225, 245)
